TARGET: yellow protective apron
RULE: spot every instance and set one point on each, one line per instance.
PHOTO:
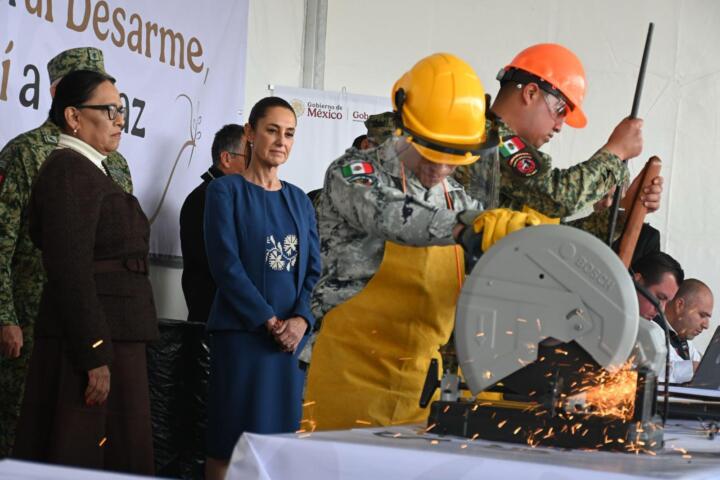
(372, 355)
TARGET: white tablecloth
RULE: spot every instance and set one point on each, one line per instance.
(401, 453)
(16, 470)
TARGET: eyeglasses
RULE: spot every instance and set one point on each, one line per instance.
(559, 109)
(112, 110)
(235, 153)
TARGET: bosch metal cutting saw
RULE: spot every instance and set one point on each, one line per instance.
(549, 342)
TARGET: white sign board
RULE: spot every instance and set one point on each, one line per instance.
(179, 64)
(328, 122)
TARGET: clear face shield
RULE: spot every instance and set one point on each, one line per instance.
(478, 171)
(484, 181)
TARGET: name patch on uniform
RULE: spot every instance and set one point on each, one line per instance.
(523, 164)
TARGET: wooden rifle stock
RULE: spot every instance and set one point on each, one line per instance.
(635, 216)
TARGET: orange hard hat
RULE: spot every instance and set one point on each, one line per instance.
(557, 69)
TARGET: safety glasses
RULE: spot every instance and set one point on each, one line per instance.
(558, 107)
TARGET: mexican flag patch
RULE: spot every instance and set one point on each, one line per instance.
(357, 168)
(512, 146)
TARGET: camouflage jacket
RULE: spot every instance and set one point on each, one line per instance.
(362, 206)
(527, 177)
(21, 271)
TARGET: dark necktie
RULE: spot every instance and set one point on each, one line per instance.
(679, 344)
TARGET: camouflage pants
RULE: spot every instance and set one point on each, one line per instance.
(12, 387)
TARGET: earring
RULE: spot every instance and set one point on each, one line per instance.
(74, 131)
(251, 144)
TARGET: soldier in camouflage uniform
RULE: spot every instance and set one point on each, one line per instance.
(555, 192)
(529, 110)
(389, 220)
(357, 213)
(542, 89)
(21, 271)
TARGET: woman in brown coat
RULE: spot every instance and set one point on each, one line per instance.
(86, 399)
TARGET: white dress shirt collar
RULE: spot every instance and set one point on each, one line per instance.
(67, 141)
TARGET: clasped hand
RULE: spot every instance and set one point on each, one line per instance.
(287, 333)
(98, 386)
(11, 341)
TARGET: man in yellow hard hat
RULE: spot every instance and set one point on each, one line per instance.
(542, 89)
(390, 220)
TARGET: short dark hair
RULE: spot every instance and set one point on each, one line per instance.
(74, 89)
(506, 88)
(226, 139)
(358, 141)
(654, 265)
(690, 288)
(259, 110)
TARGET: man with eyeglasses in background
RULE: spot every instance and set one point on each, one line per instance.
(541, 90)
(21, 271)
(228, 157)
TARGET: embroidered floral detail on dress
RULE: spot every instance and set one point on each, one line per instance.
(281, 255)
(290, 245)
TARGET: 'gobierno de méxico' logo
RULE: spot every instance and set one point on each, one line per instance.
(317, 109)
(298, 106)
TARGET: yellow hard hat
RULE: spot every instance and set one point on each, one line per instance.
(440, 104)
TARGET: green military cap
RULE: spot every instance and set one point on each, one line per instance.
(380, 127)
(84, 58)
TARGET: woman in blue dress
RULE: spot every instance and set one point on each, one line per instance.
(263, 252)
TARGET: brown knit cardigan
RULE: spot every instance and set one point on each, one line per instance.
(78, 216)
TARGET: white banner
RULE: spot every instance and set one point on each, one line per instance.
(328, 122)
(180, 65)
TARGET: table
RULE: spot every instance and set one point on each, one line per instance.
(17, 470)
(409, 453)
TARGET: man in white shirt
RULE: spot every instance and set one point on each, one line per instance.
(688, 315)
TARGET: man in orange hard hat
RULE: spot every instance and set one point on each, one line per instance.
(541, 90)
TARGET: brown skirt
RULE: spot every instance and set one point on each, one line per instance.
(57, 427)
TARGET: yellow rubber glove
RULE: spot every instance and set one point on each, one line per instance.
(495, 224)
(499, 222)
(537, 218)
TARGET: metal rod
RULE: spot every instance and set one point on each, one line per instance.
(633, 114)
(641, 75)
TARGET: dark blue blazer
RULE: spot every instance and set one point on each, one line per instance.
(235, 241)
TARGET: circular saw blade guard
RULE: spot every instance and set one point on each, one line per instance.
(543, 284)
